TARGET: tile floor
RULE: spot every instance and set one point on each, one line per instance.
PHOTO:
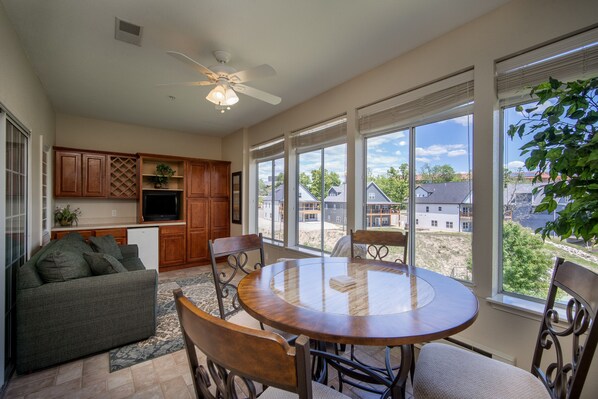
(164, 377)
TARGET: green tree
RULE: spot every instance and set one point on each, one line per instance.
(263, 188)
(437, 173)
(315, 185)
(279, 180)
(395, 183)
(526, 263)
(564, 145)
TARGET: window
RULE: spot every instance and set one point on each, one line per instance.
(439, 209)
(321, 165)
(466, 226)
(371, 196)
(419, 145)
(449, 225)
(270, 189)
(527, 260)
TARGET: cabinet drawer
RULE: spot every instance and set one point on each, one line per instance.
(178, 229)
(120, 235)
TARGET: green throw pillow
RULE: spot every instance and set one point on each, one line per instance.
(61, 266)
(73, 236)
(101, 263)
(106, 244)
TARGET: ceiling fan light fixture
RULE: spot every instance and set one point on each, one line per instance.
(231, 97)
(217, 95)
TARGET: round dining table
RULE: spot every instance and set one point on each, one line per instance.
(358, 301)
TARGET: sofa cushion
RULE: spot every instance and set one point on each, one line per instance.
(101, 263)
(106, 244)
(62, 265)
(73, 236)
(132, 264)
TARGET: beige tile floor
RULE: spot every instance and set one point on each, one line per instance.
(164, 377)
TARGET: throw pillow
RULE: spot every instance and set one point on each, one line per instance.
(106, 244)
(61, 266)
(101, 263)
(73, 236)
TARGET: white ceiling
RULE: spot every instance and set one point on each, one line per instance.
(314, 45)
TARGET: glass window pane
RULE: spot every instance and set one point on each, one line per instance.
(264, 201)
(278, 199)
(309, 195)
(387, 189)
(443, 197)
(527, 260)
(335, 196)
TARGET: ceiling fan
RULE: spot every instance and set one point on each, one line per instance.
(228, 80)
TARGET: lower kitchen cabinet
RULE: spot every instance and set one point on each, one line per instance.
(172, 245)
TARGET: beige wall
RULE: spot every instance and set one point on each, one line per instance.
(23, 95)
(95, 134)
(233, 151)
(513, 28)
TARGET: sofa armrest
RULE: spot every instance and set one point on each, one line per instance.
(129, 251)
(62, 321)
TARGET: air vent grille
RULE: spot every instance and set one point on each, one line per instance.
(128, 32)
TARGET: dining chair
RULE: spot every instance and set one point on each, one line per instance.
(243, 255)
(232, 352)
(443, 371)
(379, 244)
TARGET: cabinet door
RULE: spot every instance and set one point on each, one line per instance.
(67, 178)
(219, 179)
(94, 175)
(172, 245)
(120, 235)
(219, 218)
(197, 229)
(198, 179)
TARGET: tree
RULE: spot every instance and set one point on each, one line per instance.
(437, 173)
(279, 180)
(564, 145)
(526, 263)
(395, 183)
(313, 183)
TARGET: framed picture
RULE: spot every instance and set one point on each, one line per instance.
(237, 198)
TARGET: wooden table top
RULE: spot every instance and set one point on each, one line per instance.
(388, 304)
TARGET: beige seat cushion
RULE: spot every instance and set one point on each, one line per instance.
(242, 318)
(445, 372)
(319, 391)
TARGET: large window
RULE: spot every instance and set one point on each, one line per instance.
(420, 172)
(527, 259)
(270, 191)
(321, 185)
(270, 218)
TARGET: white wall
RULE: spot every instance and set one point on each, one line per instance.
(23, 95)
(511, 29)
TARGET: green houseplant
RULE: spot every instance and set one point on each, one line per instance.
(163, 173)
(67, 216)
(564, 147)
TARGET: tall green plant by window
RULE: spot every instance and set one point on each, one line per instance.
(564, 147)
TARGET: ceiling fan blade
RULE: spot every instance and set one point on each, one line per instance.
(255, 93)
(193, 64)
(199, 83)
(259, 72)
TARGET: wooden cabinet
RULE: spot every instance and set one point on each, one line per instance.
(119, 234)
(198, 179)
(80, 173)
(67, 180)
(94, 175)
(219, 179)
(172, 245)
(197, 229)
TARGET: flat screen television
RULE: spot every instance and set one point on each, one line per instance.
(161, 205)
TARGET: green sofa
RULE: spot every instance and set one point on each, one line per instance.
(61, 321)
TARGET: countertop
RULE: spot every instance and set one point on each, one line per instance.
(118, 225)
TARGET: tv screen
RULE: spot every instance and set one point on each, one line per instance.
(160, 205)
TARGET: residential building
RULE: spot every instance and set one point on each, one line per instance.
(309, 206)
(444, 206)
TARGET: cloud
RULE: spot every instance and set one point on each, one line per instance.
(456, 153)
(425, 160)
(402, 143)
(514, 165)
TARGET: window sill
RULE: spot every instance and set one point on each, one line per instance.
(518, 306)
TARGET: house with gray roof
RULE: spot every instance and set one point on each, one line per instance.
(444, 206)
(381, 210)
(519, 203)
(309, 206)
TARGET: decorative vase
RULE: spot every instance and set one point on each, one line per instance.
(66, 223)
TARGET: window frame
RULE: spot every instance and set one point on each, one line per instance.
(272, 160)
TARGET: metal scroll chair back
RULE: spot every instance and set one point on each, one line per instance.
(566, 380)
(231, 351)
(379, 243)
(238, 251)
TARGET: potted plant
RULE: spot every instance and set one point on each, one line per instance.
(163, 173)
(66, 216)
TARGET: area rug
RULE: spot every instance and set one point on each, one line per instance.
(200, 290)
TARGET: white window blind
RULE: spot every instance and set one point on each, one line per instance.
(271, 149)
(438, 100)
(325, 134)
(569, 59)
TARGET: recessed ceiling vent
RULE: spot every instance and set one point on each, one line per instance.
(128, 32)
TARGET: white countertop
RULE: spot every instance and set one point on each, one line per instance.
(119, 225)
